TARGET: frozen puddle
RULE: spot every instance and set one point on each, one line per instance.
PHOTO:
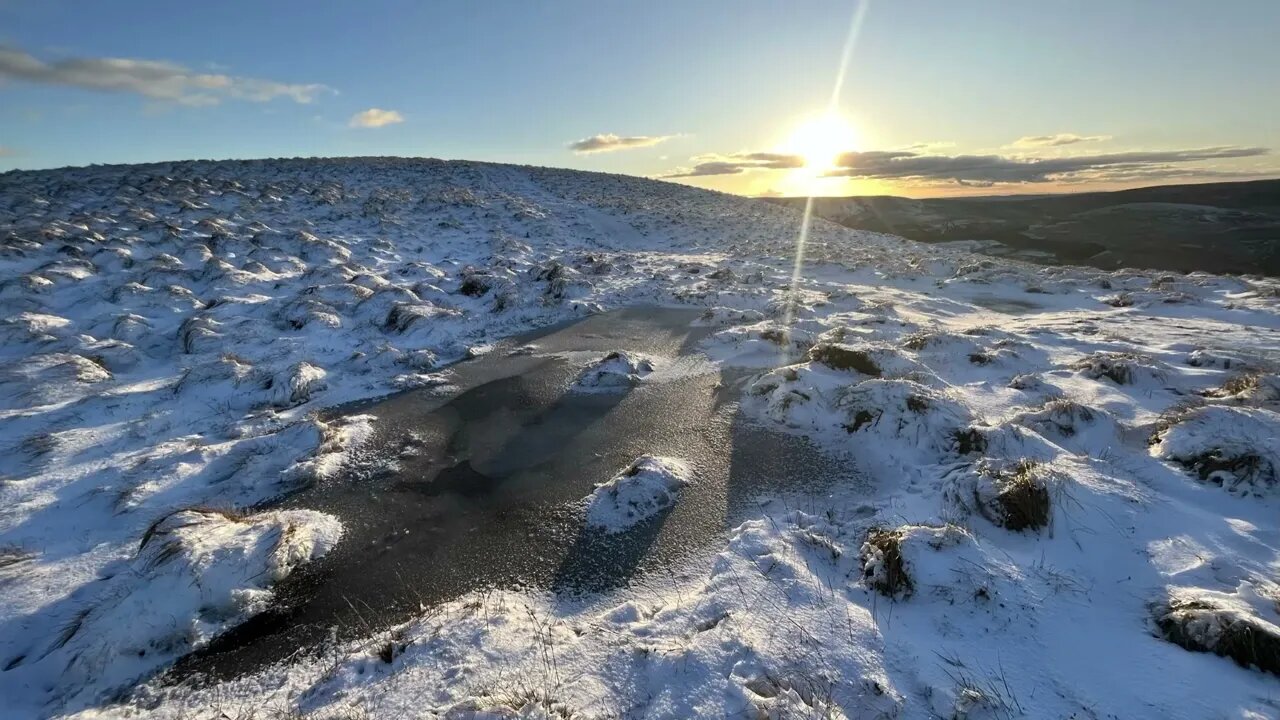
(1008, 306)
(483, 484)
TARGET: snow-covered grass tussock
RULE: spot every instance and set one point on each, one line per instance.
(928, 561)
(195, 573)
(1236, 448)
(172, 333)
(615, 371)
(645, 488)
(1241, 625)
(1015, 496)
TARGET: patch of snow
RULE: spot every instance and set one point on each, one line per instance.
(195, 574)
(645, 488)
(616, 371)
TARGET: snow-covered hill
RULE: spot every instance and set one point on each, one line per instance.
(1072, 467)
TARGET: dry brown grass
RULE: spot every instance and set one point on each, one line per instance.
(894, 581)
(153, 530)
(12, 555)
(775, 336)
(1120, 368)
(1245, 382)
(1173, 415)
(918, 341)
(970, 440)
(839, 357)
(1249, 466)
(1200, 627)
(1021, 501)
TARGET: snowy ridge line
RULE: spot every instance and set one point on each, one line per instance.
(1069, 460)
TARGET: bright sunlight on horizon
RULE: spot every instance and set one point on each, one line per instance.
(818, 141)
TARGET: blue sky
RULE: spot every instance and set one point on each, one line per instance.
(930, 86)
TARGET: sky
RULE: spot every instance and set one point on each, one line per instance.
(828, 97)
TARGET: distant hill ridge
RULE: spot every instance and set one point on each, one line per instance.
(1231, 227)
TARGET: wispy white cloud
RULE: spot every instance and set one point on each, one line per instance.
(1057, 140)
(154, 79)
(902, 165)
(929, 147)
(610, 142)
(738, 163)
(375, 118)
(923, 164)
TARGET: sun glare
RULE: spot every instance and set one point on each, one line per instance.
(821, 139)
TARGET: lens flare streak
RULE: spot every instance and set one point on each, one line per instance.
(806, 220)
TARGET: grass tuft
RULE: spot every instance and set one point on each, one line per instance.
(883, 567)
(1173, 415)
(1121, 368)
(1200, 626)
(11, 555)
(840, 357)
(1023, 499)
(970, 440)
(154, 529)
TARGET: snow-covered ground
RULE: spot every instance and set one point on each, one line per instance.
(1070, 466)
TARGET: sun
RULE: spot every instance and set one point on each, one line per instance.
(821, 139)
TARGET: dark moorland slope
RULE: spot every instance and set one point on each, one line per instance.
(1218, 227)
